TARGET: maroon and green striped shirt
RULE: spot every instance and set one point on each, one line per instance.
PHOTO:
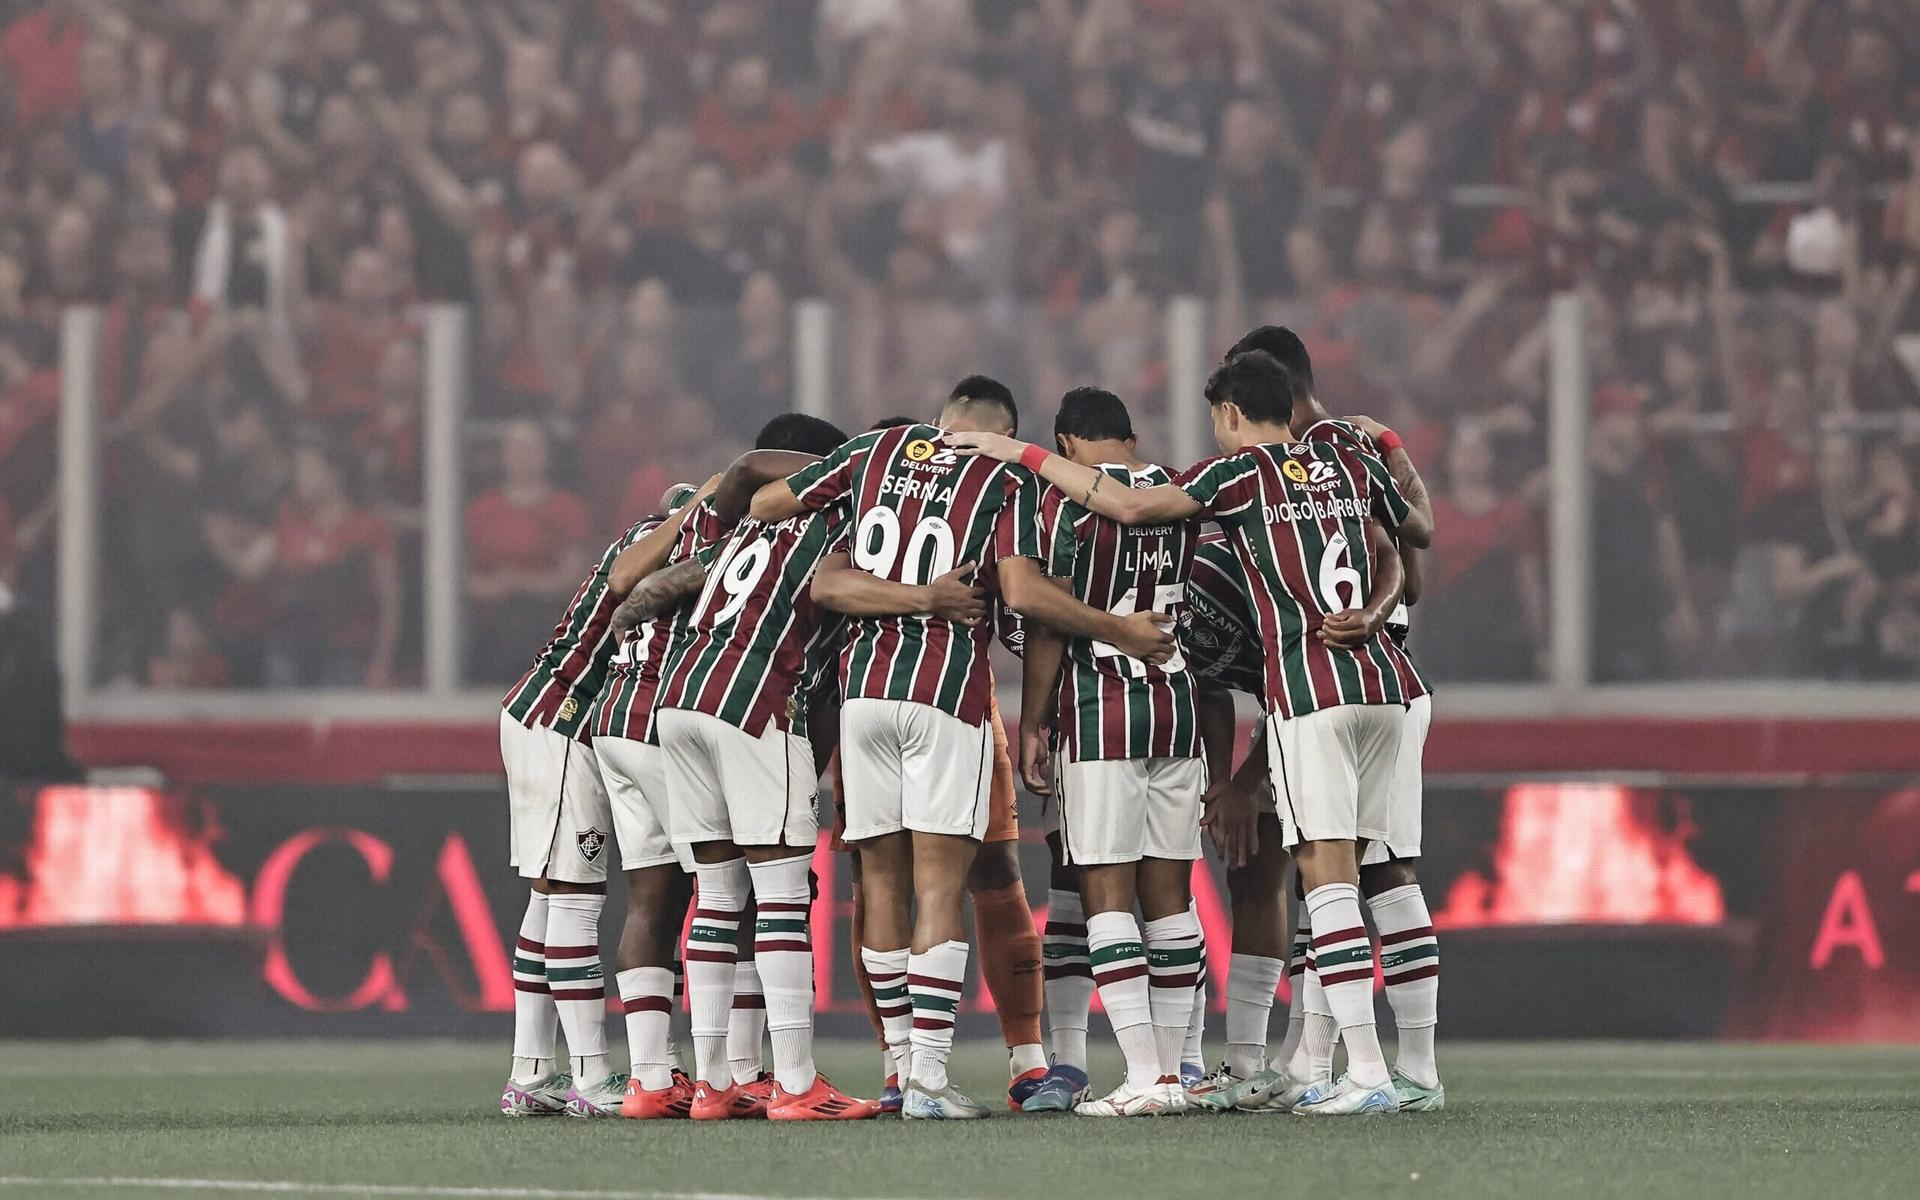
(627, 702)
(1111, 705)
(1297, 515)
(559, 690)
(755, 645)
(1218, 632)
(1335, 430)
(918, 509)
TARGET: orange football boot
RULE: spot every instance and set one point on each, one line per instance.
(821, 1102)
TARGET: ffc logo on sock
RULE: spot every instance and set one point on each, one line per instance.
(591, 842)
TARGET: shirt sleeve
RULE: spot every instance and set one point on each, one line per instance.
(1016, 532)
(699, 532)
(1224, 486)
(820, 484)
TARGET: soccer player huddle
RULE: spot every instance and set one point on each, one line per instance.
(828, 605)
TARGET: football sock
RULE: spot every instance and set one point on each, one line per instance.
(1251, 983)
(1192, 1051)
(573, 972)
(783, 947)
(1069, 978)
(1297, 960)
(646, 997)
(1173, 968)
(679, 969)
(1119, 960)
(887, 969)
(1343, 959)
(746, 1021)
(934, 982)
(534, 1016)
(711, 954)
(1410, 962)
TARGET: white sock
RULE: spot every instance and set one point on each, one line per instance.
(674, 1060)
(573, 972)
(887, 972)
(1297, 960)
(935, 981)
(1343, 959)
(1069, 980)
(1192, 1051)
(1173, 968)
(747, 1021)
(646, 997)
(713, 945)
(1252, 981)
(783, 948)
(1119, 959)
(1410, 962)
(535, 1018)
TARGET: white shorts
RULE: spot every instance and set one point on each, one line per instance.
(911, 766)
(636, 777)
(1333, 771)
(725, 785)
(1403, 802)
(1121, 810)
(561, 820)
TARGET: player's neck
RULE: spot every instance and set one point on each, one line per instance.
(1266, 433)
(1310, 412)
(1112, 452)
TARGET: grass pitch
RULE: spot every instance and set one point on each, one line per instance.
(416, 1119)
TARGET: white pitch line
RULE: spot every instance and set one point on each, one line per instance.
(294, 1187)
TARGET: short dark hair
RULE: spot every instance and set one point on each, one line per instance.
(1258, 383)
(1285, 346)
(891, 423)
(798, 431)
(985, 389)
(1093, 413)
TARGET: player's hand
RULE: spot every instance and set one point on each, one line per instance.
(952, 598)
(1230, 815)
(1350, 627)
(990, 445)
(1367, 425)
(1036, 760)
(1147, 635)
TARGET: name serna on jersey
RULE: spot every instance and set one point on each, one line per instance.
(1296, 515)
(566, 676)
(1113, 706)
(755, 645)
(1218, 631)
(920, 508)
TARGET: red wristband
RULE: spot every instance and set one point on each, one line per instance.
(1033, 456)
(1388, 441)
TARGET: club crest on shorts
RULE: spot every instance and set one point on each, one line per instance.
(591, 841)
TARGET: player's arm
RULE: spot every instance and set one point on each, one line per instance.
(1413, 561)
(749, 473)
(845, 588)
(1040, 660)
(666, 588)
(1230, 809)
(1146, 635)
(649, 554)
(815, 485)
(1091, 489)
(1416, 528)
(1352, 627)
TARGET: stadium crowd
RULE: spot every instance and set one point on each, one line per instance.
(631, 195)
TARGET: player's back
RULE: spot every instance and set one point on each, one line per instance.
(753, 641)
(1122, 707)
(921, 508)
(1218, 631)
(567, 674)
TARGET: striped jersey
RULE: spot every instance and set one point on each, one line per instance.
(626, 704)
(1112, 705)
(1297, 517)
(565, 679)
(755, 645)
(1335, 430)
(1218, 631)
(919, 508)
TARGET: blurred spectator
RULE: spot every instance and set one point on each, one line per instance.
(526, 549)
(1486, 571)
